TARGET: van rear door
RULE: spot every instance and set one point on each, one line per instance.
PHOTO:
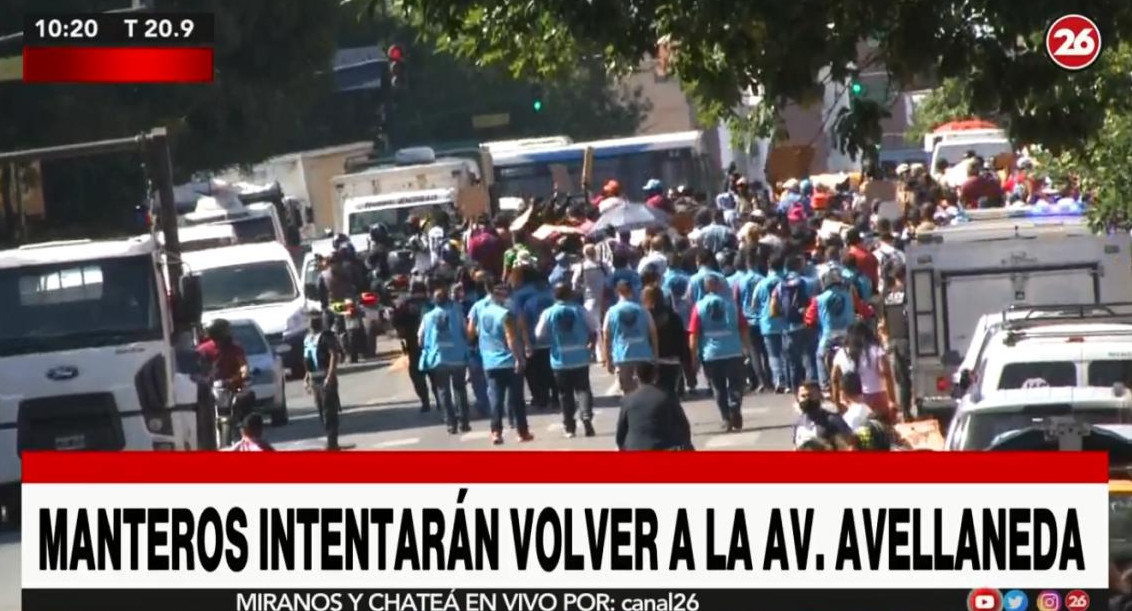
(969, 294)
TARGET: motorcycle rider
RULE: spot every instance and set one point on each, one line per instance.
(321, 353)
(377, 260)
(339, 281)
(407, 321)
(227, 363)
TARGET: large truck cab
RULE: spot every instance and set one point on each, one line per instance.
(86, 356)
(1000, 259)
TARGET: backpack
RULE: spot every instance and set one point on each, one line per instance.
(790, 296)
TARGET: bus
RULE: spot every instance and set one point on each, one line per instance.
(676, 159)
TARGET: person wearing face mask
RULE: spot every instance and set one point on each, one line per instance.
(816, 422)
(444, 355)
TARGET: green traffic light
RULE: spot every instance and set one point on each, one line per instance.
(538, 105)
(857, 88)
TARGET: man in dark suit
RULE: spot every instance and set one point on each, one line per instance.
(651, 417)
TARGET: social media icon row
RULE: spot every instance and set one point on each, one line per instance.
(990, 599)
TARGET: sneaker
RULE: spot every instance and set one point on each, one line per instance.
(726, 426)
(737, 420)
(496, 438)
(589, 428)
(465, 427)
(568, 434)
(525, 436)
(452, 430)
(425, 409)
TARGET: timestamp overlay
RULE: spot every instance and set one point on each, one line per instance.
(118, 48)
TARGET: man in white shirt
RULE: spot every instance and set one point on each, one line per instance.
(857, 413)
(655, 258)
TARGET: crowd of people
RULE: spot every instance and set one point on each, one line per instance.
(755, 292)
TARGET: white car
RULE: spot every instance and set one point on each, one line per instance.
(976, 425)
(257, 282)
(266, 369)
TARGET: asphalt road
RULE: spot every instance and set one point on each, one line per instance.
(381, 412)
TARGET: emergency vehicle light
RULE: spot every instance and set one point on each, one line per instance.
(1066, 209)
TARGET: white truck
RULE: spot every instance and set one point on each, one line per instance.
(999, 259)
(417, 171)
(86, 359)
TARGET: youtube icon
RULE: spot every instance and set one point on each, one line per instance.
(984, 599)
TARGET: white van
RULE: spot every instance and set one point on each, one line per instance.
(955, 150)
(976, 426)
(257, 282)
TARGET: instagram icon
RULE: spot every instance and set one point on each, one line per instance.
(1049, 601)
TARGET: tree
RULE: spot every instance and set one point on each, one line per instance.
(723, 48)
(951, 101)
(271, 59)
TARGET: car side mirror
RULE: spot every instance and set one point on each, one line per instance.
(963, 384)
(191, 306)
(952, 359)
(282, 349)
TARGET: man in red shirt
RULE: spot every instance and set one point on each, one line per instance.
(223, 355)
(977, 186)
(486, 247)
(866, 263)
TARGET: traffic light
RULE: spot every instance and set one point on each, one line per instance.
(536, 98)
(396, 57)
(857, 89)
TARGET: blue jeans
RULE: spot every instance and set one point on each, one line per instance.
(799, 357)
(758, 367)
(451, 382)
(775, 352)
(505, 387)
(824, 353)
(479, 386)
(727, 378)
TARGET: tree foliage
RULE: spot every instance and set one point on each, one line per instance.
(779, 48)
(951, 101)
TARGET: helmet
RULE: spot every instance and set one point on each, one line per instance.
(378, 233)
(218, 329)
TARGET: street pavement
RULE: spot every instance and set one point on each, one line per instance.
(381, 412)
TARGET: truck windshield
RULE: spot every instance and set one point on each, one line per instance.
(254, 229)
(394, 219)
(78, 304)
(248, 284)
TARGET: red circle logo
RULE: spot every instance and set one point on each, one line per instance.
(1073, 42)
(984, 599)
(1077, 600)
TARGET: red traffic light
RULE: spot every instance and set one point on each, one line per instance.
(395, 53)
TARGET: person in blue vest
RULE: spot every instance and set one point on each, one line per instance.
(629, 337)
(790, 300)
(718, 335)
(831, 313)
(566, 329)
(771, 324)
(467, 300)
(706, 261)
(759, 371)
(540, 376)
(675, 288)
(444, 355)
(623, 273)
(497, 330)
(321, 353)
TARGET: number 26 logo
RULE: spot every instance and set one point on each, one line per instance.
(1073, 42)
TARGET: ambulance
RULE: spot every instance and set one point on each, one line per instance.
(993, 260)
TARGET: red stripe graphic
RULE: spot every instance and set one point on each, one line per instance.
(117, 65)
(565, 467)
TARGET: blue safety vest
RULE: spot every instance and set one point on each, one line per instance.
(569, 336)
(492, 333)
(444, 340)
(532, 310)
(835, 312)
(629, 333)
(719, 328)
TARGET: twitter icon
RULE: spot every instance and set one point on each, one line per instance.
(1015, 600)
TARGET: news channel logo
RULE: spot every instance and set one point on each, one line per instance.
(1015, 600)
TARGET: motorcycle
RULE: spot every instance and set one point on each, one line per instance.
(376, 319)
(225, 399)
(350, 326)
